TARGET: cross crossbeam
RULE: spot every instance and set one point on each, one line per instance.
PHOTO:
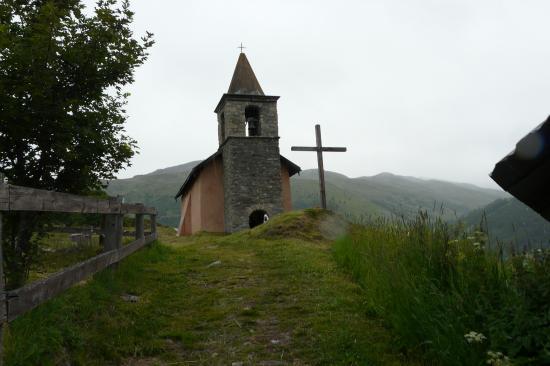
(319, 148)
(325, 149)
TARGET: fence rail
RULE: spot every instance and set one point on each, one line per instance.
(30, 296)
(16, 198)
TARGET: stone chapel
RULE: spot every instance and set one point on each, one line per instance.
(247, 180)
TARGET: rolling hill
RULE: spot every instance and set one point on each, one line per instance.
(388, 194)
(509, 221)
(155, 189)
(355, 198)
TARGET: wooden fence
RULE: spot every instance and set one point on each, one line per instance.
(16, 302)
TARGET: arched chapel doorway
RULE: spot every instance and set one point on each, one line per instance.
(257, 217)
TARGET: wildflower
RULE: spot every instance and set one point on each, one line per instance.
(478, 246)
(497, 359)
(474, 337)
(528, 258)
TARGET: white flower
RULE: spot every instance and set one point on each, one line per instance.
(478, 246)
(497, 359)
(474, 337)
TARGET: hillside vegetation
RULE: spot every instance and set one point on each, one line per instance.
(362, 199)
(390, 195)
(511, 223)
(155, 189)
(355, 198)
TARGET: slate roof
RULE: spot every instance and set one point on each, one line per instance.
(525, 172)
(195, 172)
(244, 81)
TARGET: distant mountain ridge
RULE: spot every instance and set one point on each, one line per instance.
(388, 194)
(384, 194)
(362, 198)
(182, 168)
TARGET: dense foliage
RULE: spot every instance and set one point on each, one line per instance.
(443, 292)
(62, 73)
(61, 99)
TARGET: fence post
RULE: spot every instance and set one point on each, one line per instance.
(140, 232)
(153, 219)
(112, 229)
(3, 307)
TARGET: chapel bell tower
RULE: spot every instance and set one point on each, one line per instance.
(249, 140)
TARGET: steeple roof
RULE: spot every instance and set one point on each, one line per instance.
(244, 81)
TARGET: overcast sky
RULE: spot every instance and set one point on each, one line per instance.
(426, 88)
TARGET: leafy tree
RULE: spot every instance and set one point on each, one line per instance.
(62, 73)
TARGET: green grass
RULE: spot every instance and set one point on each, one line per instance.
(56, 251)
(270, 294)
(433, 284)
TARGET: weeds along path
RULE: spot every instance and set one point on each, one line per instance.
(269, 296)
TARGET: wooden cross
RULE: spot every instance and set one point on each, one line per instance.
(319, 149)
(241, 47)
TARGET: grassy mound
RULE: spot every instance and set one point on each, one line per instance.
(312, 224)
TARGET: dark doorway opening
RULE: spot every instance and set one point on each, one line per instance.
(257, 217)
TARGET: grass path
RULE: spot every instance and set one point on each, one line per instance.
(253, 298)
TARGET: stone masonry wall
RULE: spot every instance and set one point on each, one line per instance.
(252, 179)
(234, 117)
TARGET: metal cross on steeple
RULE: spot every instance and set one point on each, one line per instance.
(241, 47)
(319, 149)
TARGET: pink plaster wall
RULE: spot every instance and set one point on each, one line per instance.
(212, 197)
(185, 219)
(287, 199)
(202, 207)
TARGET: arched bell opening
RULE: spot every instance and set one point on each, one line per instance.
(252, 118)
(257, 217)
